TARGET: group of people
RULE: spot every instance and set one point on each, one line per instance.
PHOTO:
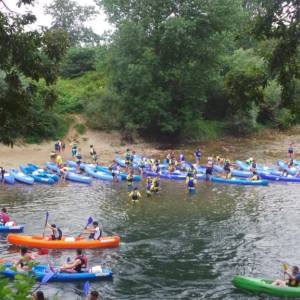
(59, 146)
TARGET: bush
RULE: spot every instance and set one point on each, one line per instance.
(80, 128)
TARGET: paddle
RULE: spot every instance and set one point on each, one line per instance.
(86, 288)
(285, 268)
(46, 222)
(89, 221)
(45, 280)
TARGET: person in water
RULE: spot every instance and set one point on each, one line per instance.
(292, 281)
(39, 295)
(2, 173)
(128, 157)
(4, 217)
(115, 170)
(155, 185)
(148, 186)
(291, 151)
(197, 155)
(94, 295)
(23, 263)
(78, 263)
(227, 169)
(129, 179)
(56, 232)
(135, 195)
(95, 231)
(209, 168)
(255, 176)
(191, 183)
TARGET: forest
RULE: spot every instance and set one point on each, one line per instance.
(169, 70)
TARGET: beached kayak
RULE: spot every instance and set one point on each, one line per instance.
(9, 178)
(283, 166)
(38, 272)
(234, 172)
(260, 168)
(264, 286)
(11, 228)
(123, 175)
(40, 177)
(78, 178)
(121, 162)
(54, 168)
(65, 243)
(239, 181)
(34, 168)
(288, 178)
(21, 177)
(167, 175)
(92, 171)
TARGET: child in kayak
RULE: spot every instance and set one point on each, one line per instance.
(56, 232)
(293, 278)
(4, 217)
(95, 231)
(79, 262)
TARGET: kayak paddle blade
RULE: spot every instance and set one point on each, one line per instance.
(86, 288)
(47, 277)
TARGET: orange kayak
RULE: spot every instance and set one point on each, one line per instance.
(64, 243)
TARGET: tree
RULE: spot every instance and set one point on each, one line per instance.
(26, 57)
(71, 17)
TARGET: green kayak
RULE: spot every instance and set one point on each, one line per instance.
(257, 285)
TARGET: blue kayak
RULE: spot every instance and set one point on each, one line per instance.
(239, 181)
(121, 162)
(54, 168)
(36, 175)
(11, 229)
(21, 177)
(92, 171)
(9, 178)
(78, 177)
(234, 172)
(123, 175)
(167, 175)
(283, 166)
(38, 272)
(288, 178)
(44, 172)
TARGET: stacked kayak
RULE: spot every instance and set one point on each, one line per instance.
(39, 271)
(37, 175)
(64, 243)
(123, 175)
(239, 181)
(21, 177)
(94, 172)
(264, 286)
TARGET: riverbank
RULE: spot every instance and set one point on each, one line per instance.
(266, 146)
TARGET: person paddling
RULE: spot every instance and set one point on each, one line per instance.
(292, 281)
(4, 217)
(95, 231)
(255, 176)
(56, 232)
(78, 263)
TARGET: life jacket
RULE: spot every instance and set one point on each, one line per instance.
(227, 166)
(191, 183)
(127, 157)
(83, 263)
(129, 179)
(57, 235)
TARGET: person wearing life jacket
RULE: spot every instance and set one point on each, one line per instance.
(135, 195)
(191, 183)
(157, 167)
(4, 217)
(79, 263)
(292, 281)
(227, 169)
(127, 157)
(209, 168)
(25, 259)
(129, 179)
(148, 186)
(56, 232)
(197, 155)
(249, 161)
(59, 161)
(155, 185)
(115, 170)
(95, 231)
(255, 176)
(291, 151)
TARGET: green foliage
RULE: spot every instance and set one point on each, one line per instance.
(71, 17)
(80, 128)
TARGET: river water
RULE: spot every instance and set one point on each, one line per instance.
(174, 246)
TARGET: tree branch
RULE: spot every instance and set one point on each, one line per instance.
(5, 5)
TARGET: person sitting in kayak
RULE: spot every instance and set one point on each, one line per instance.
(23, 263)
(255, 176)
(155, 185)
(135, 195)
(291, 150)
(95, 231)
(79, 263)
(293, 278)
(227, 169)
(56, 232)
(4, 217)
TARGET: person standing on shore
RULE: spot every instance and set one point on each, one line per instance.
(291, 151)
(2, 173)
(198, 155)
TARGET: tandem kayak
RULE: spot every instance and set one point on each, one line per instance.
(123, 175)
(37, 176)
(38, 272)
(21, 177)
(65, 243)
(264, 286)
(240, 181)
(92, 171)
(11, 228)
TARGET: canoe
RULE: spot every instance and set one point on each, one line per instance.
(21, 177)
(257, 285)
(13, 229)
(39, 271)
(123, 175)
(78, 178)
(101, 274)
(92, 171)
(283, 166)
(9, 178)
(288, 178)
(65, 243)
(239, 181)
(38, 177)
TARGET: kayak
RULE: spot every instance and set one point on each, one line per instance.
(92, 171)
(234, 172)
(123, 175)
(95, 273)
(53, 167)
(38, 177)
(78, 177)
(283, 166)
(265, 286)
(260, 168)
(273, 177)
(65, 243)
(240, 181)
(13, 228)
(121, 162)
(167, 175)
(34, 168)
(21, 177)
(39, 271)
(9, 178)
